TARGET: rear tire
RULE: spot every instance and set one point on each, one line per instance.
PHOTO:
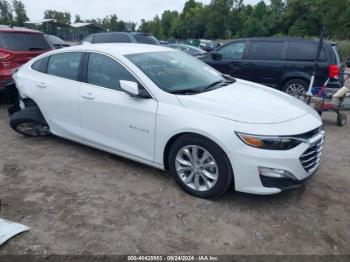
(30, 122)
(295, 87)
(204, 170)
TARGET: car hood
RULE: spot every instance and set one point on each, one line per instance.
(247, 102)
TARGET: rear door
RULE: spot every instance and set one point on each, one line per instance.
(54, 86)
(300, 61)
(264, 63)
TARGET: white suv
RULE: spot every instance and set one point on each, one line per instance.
(169, 110)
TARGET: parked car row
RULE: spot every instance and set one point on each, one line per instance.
(282, 63)
(191, 50)
(18, 46)
(162, 107)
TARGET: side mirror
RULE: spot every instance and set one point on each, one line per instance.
(216, 56)
(131, 88)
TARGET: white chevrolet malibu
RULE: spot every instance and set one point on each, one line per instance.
(166, 109)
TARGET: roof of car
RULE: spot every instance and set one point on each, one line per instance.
(120, 48)
(286, 38)
(5, 28)
(131, 33)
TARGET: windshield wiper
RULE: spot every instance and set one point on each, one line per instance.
(212, 86)
(217, 84)
(185, 91)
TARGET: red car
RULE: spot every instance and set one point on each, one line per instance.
(18, 46)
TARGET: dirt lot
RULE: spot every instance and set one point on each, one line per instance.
(79, 200)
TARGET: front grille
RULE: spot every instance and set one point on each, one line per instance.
(312, 156)
(282, 183)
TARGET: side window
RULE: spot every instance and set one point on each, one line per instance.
(101, 38)
(106, 72)
(119, 38)
(65, 65)
(262, 50)
(233, 51)
(87, 39)
(41, 65)
(303, 51)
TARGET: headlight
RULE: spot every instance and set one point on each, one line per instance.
(269, 142)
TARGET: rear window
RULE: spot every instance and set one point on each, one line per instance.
(111, 38)
(304, 51)
(87, 39)
(336, 54)
(65, 65)
(41, 65)
(23, 42)
(146, 39)
(265, 50)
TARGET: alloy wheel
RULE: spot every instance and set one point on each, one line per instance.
(295, 90)
(197, 168)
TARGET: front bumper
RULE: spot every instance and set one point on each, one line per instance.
(246, 160)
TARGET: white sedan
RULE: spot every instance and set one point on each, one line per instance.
(166, 109)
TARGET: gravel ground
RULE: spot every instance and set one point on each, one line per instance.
(79, 200)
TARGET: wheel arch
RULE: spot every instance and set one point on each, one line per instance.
(29, 102)
(173, 138)
(296, 75)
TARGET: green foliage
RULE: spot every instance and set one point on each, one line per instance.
(12, 13)
(20, 12)
(344, 49)
(6, 16)
(232, 18)
(78, 19)
(60, 17)
(220, 19)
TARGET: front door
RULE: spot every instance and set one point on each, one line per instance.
(231, 60)
(112, 119)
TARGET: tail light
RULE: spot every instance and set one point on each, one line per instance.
(7, 60)
(4, 55)
(334, 71)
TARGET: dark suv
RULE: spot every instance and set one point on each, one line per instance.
(121, 37)
(283, 63)
(18, 46)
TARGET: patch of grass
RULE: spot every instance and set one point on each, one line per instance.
(344, 49)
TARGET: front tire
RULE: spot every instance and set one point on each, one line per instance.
(30, 122)
(200, 167)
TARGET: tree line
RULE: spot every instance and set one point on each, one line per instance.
(220, 19)
(234, 19)
(12, 13)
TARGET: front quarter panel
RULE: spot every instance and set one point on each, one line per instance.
(173, 120)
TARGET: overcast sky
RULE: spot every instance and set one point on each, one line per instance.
(127, 10)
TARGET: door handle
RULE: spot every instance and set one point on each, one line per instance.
(88, 96)
(41, 85)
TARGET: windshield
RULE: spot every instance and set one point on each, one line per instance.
(23, 41)
(177, 72)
